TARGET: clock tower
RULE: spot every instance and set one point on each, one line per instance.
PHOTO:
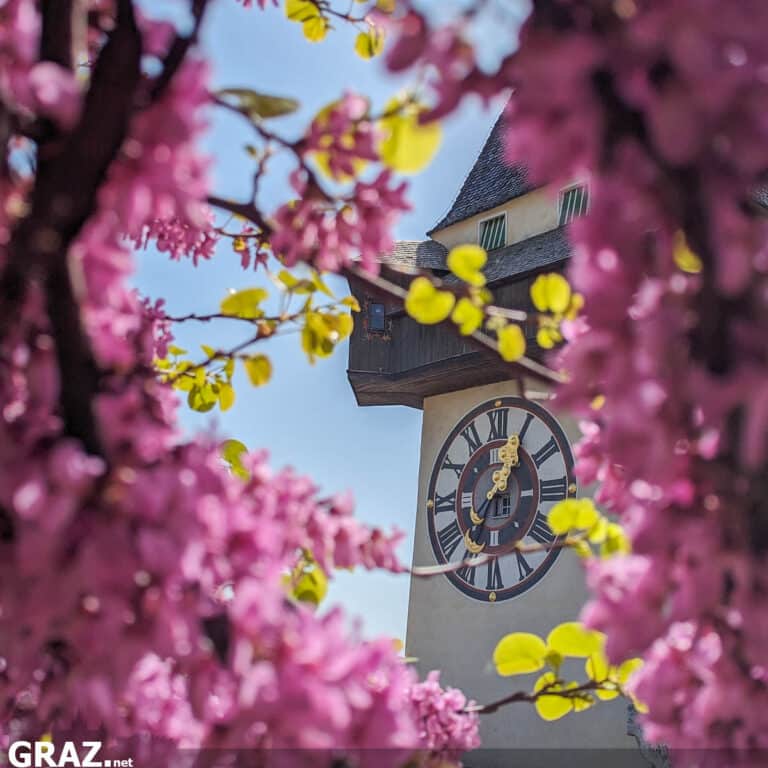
(495, 457)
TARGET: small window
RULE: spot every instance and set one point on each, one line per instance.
(493, 232)
(504, 509)
(573, 203)
(376, 318)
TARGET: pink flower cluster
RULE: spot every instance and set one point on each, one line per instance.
(445, 730)
(344, 136)
(142, 593)
(662, 103)
(329, 235)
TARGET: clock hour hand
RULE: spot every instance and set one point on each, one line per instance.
(472, 546)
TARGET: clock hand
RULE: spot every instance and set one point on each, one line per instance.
(509, 458)
(472, 546)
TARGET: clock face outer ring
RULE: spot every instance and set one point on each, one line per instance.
(564, 445)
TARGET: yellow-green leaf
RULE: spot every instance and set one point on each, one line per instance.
(255, 105)
(386, 6)
(626, 669)
(351, 302)
(573, 639)
(467, 262)
(511, 342)
(551, 293)
(551, 706)
(616, 541)
(546, 338)
(174, 350)
(244, 303)
(572, 514)
(468, 316)
(315, 29)
(312, 586)
(226, 396)
(408, 146)
(426, 304)
(317, 281)
(519, 653)
(370, 43)
(301, 10)
(258, 368)
(684, 257)
(232, 452)
(201, 398)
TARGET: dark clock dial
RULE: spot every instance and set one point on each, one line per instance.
(502, 468)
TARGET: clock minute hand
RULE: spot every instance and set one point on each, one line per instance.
(509, 458)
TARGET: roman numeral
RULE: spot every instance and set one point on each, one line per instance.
(466, 500)
(523, 568)
(467, 572)
(494, 575)
(449, 538)
(499, 421)
(493, 538)
(553, 490)
(448, 464)
(540, 530)
(524, 428)
(472, 438)
(445, 503)
(550, 448)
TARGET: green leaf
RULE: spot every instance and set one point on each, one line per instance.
(427, 305)
(466, 262)
(255, 105)
(519, 653)
(176, 351)
(244, 303)
(258, 368)
(573, 639)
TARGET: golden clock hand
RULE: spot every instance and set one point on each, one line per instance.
(471, 546)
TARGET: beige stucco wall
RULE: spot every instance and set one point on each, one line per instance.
(456, 634)
(527, 216)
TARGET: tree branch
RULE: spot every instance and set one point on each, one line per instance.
(63, 198)
(178, 51)
(56, 32)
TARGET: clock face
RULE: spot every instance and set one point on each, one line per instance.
(501, 470)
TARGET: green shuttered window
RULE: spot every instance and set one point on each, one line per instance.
(493, 232)
(573, 203)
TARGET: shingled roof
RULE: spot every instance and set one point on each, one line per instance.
(491, 182)
(419, 254)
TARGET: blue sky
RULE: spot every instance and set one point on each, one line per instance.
(307, 416)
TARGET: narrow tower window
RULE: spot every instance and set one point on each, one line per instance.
(573, 202)
(493, 232)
